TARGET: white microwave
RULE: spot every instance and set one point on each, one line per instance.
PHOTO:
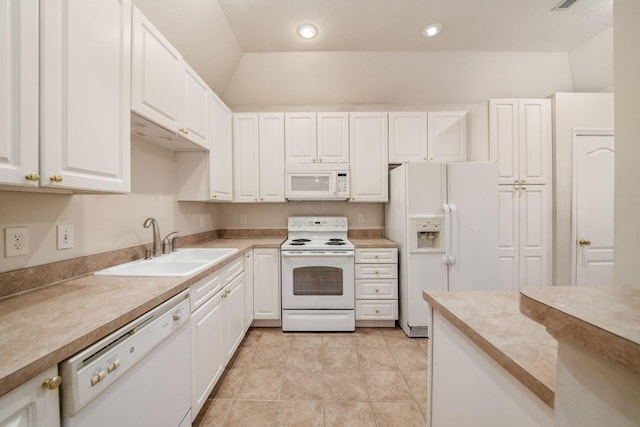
(328, 181)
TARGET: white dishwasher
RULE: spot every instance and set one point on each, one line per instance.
(138, 376)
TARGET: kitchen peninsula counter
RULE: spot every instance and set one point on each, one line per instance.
(40, 328)
(493, 322)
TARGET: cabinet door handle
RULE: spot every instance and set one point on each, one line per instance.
(583, 242)
(377, 290)
(55, 178)
(32, 177)
(377, 311)
(52, 383)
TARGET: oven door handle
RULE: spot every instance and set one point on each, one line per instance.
(317, 253)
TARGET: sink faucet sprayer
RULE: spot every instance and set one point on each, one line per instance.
(157, 244)
(169, 244)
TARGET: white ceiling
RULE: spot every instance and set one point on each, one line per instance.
(396, 25)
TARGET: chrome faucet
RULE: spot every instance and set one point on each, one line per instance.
(157, 244)
(170, 245)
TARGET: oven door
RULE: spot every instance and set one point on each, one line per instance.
(318, 280)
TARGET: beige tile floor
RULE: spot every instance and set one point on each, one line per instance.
(372, 377)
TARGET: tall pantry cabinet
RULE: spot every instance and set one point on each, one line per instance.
(520, 141)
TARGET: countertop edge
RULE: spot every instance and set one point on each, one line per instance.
(564, 326)
(533, 384)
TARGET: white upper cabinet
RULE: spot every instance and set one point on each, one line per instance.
(171, 99)
(246, 157)
(520, 140)
(258, 156)
(208, 176)
(221, 152)
(407, 137)
(369, 151)
(300, 137)
(447, 136)
(157, 70)
(271, 157)
(333, 137)
(194, 114)
(19, 93)
(85, 94)
(317, 138)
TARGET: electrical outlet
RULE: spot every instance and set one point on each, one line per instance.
(243, 220)
(360, 219)
(16, 241)
(65, 236)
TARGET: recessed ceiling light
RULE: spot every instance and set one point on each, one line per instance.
(432, 30)
(307, 31)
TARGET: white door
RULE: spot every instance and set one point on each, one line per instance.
(194, 114)
(534, 236)
(207, 351)
(593, 207)
(221, 151)
(407, 137)
(234, 315)
(300, 137)
(246, 158)
(333, 137)
(369, 153)
(85, 105)
(19, 92)
(271, 157)
(157, 70)
(508, 236)
(447, 136)
(266, 283)
(473, 226)
(534, 124)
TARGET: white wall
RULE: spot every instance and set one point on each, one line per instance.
(274, 215)
(572, 111)
(394, 78)
(103, 222)
(626, 36)
(592, 64)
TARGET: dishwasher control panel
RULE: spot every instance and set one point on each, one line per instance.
(89, 372)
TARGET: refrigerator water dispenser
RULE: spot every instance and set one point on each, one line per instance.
(427, 234)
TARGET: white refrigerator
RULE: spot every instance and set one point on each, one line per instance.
(444, 217)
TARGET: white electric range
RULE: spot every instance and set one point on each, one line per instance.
(318, 286)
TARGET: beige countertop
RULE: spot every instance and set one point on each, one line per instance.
(373, 243)
(492, 320)
(40, 328)
(603, 320)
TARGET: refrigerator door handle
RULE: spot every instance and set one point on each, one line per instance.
(454, 233)
(447, 239)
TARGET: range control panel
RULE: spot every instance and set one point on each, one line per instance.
(318, 223)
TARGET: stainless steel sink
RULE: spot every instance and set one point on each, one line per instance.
(183, 263)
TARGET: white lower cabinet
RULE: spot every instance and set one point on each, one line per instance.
(376, 274)
(33, 404)
(217, 328)
(266, 284)
(248, 290)
(524, 236)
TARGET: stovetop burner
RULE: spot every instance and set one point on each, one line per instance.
(333, 242)
(336, 240)
(294, 243)
(302, 240)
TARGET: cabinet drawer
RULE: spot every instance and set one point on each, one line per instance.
(233, 269)
(376, 271)
(376, 288)
(376, 310)
(377, 255)
(205, 288)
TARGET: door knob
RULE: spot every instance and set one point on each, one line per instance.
(583, 242)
